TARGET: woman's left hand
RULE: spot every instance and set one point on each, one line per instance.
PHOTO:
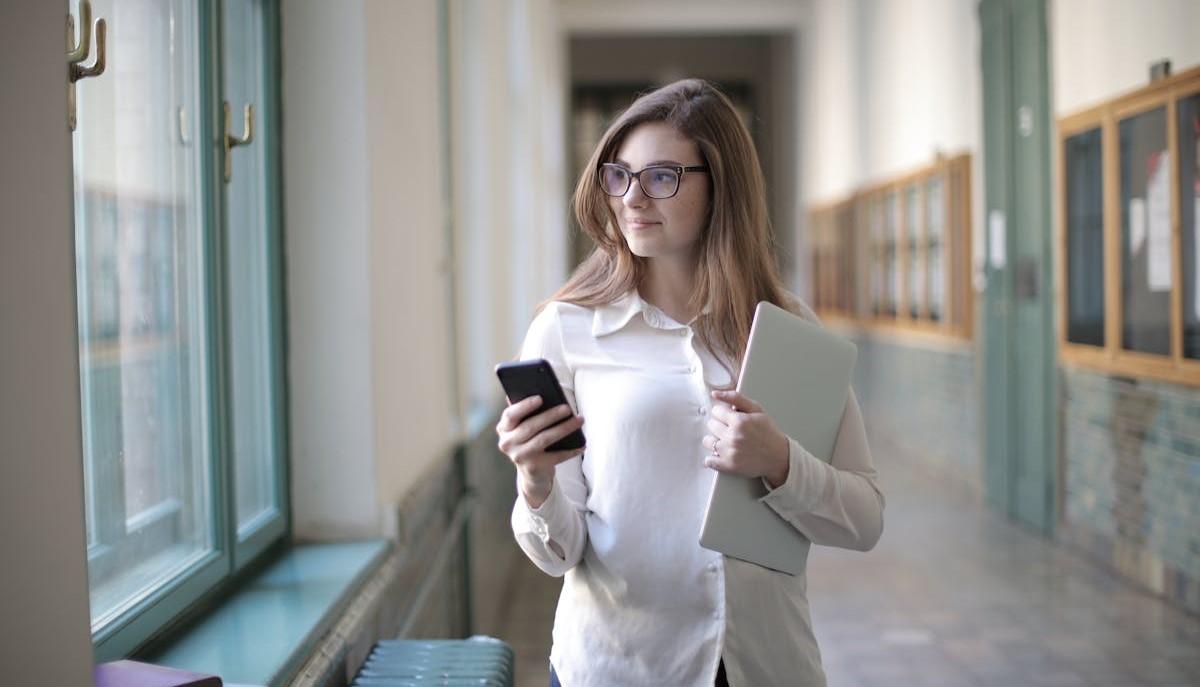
(747, 440)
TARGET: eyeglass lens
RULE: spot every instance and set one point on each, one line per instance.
(656, 182)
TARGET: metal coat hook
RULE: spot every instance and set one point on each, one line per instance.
(77, 52)
(232, 141)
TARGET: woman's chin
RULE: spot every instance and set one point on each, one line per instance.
(641, 248)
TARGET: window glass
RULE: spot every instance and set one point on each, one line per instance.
(249, 272)
(139, 227)
(1083, 166)
(879, 263)
(845, 241)
(1189, 214)
(891, 229)
(1145, 233)
(916, 262)
(935, 212)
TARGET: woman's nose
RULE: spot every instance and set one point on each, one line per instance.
(634, 197)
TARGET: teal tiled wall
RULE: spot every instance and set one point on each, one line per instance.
(1131, 453)
(924, 398)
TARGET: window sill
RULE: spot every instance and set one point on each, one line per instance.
(263, 632)
(1132, 364)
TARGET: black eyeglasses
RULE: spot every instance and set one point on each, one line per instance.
(662, 182)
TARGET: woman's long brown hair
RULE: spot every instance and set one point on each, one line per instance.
(735, 267)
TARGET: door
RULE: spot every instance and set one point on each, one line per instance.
(1018, 344)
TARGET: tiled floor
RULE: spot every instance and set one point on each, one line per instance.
(953, 595)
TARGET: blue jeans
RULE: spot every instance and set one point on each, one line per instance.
(722, 681)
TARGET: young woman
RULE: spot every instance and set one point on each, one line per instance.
(646, 338)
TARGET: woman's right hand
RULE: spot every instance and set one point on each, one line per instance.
(524, 438)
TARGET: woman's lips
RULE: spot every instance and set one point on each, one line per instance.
(640, 223)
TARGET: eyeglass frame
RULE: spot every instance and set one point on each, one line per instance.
(680, 170)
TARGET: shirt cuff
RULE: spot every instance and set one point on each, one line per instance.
(804, 487)
(546, 518)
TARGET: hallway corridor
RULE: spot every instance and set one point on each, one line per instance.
(952, 596)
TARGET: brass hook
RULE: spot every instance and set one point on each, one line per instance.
(78, 52)
(78, 71)
(232, 141)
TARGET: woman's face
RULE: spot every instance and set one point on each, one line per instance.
(666, 227)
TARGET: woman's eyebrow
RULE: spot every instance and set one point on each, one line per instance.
(623, 163)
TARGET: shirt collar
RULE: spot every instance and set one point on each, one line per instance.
(610, 317)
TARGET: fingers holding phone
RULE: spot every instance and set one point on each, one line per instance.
(526, 443)
(537, 431)
(527, 436)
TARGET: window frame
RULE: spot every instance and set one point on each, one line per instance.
(264, 530)
(867, 239)
(142, 621)
(1112, 357)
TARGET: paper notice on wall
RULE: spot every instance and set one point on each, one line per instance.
(996, 243)
(1137, 225)
(1158, 223)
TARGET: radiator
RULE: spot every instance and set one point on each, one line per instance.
(481, 661)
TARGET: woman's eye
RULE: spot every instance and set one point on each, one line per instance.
(662, 176)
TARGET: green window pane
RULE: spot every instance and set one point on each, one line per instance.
(1189, 214)
(916, 271)
(935, 213)
(892, 284)
(1084, 169)
(846, 252)
(1146, 253)
(139, 223)
(880, 262)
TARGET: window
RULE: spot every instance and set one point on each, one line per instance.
(1084, 206)
(834, 260)
(1188, 128)
(903, 247)
(178, 304)
(1129, 204)
(935, 229)
(891, 254)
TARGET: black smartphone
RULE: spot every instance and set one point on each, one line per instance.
(526, 378)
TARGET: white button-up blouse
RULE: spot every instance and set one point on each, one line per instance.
(642, 603)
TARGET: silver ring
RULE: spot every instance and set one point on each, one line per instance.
(714, 448)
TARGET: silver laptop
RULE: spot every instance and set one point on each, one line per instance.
(800, 373)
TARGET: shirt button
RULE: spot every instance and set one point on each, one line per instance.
(701, 410)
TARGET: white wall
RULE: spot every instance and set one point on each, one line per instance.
(889, 84)
(411, 358)
(367, 314)
(680, 16)
(44, 616)
(327, 242)
(1102, 48)
(509, 179)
